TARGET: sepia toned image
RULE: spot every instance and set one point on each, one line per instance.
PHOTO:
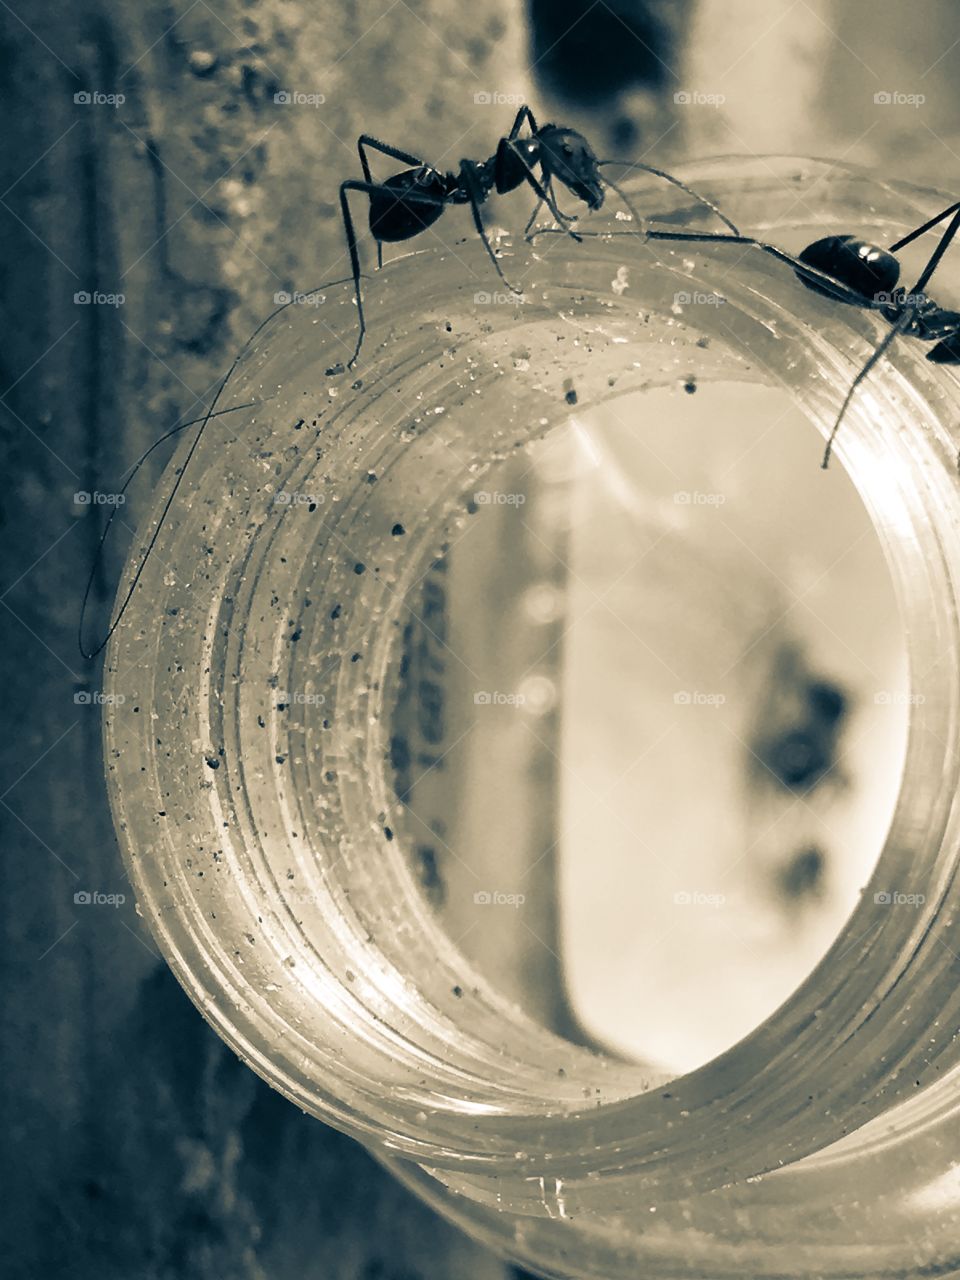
(481, 626)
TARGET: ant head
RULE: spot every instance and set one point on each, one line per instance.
(567, 156)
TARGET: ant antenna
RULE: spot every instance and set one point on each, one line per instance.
(110, 519)
(212, 412)
(906, 316)
(668, 177)
(631, 208)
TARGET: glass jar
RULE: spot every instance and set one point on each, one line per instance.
(258, 834)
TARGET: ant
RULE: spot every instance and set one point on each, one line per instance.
(403, 206)
(410, 202)
(862, 274)
(860, 264)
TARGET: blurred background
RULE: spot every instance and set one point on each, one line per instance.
(166, 171)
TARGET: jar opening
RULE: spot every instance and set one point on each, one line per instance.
(648, 720)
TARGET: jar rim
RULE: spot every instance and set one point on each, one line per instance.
(699, 1113)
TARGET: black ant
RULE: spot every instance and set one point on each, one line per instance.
(405, 205)
(861, 274)
(873, 273)
(409, 203)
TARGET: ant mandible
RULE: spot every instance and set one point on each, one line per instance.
(409, 203)
(859, 273)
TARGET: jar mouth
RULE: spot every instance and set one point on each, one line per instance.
(255, 840)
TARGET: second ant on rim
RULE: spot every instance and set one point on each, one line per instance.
(859, 273)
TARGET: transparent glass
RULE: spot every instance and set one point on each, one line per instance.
(258, 834)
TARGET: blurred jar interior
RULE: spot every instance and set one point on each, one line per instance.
(666, 654)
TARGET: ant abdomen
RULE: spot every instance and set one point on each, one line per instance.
(859, 265)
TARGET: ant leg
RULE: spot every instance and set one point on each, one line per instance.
(369, 188)
(372, 142)
(547, 199)
(563, 219)
(523, 114)
(909, 239)
(935, 258)
(351, 235)
(902, 320)
(475, 196)
(385, 149)
(840, 291)
(532, 219)
(668, 177)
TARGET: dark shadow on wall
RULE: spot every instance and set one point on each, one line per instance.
(199, 1169)
(589, 53)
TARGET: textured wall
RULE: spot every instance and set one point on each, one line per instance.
(141, 1148)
